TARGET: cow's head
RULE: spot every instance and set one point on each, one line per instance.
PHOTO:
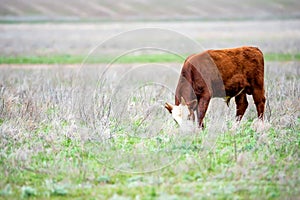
(184, 111)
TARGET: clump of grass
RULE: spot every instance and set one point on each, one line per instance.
(55, 189)
(28, 191)
(104, 179)
(6, 191)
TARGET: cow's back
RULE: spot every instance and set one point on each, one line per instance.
(239, 67)
(242, 59)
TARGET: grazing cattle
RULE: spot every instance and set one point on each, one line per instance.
(223, 73)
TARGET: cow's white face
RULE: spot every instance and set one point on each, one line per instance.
(180, 113)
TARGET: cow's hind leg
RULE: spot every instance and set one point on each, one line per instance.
(259, 100)
(241, 105)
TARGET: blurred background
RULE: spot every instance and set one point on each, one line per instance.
(44, 27)
(132, 10)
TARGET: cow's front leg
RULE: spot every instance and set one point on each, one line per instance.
(202, 108)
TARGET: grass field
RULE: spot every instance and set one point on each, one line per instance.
(68, 133)
(148, 58)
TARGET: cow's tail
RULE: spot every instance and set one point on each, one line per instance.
(268, 112)
(261, 57)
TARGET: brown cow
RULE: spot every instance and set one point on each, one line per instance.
(223, 73)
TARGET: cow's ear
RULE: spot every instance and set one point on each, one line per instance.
(182, 102)
(192, 104)
(169, 107)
